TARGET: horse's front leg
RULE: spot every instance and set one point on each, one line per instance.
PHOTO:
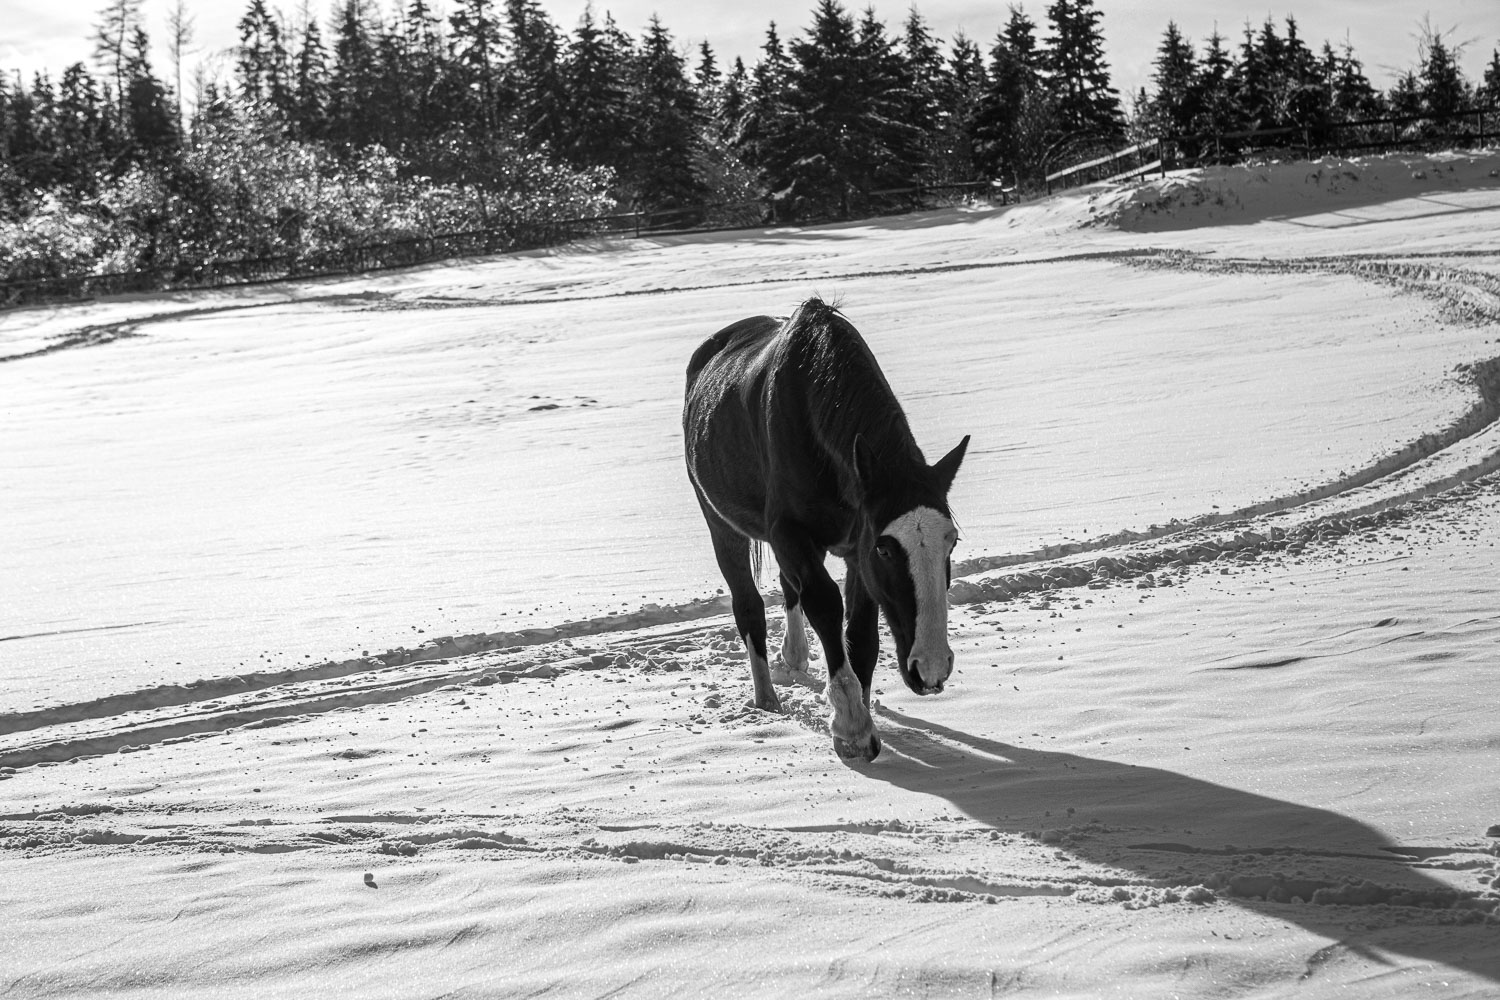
(802, 563)
(862, 634)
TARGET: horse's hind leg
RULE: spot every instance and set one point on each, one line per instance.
(732, 550)
(795, 654)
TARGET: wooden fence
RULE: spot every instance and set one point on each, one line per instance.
(514, 236)
(1417, 132)
(1122, 164)
(1462, 128)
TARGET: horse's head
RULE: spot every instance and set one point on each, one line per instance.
(905, 543)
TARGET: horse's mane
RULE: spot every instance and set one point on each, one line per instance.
(848, 394)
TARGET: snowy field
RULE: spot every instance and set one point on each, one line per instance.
(362, 636)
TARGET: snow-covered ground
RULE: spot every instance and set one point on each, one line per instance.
(362, 630)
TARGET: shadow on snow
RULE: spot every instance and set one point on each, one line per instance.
(1012, 788)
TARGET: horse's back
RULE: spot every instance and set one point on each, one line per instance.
(736, 343)
(764, 421)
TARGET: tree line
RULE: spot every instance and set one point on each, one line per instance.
(380, 125)
(1275, 80)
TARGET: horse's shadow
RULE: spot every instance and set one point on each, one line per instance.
(1158, 823)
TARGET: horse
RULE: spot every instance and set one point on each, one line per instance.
(793, 438)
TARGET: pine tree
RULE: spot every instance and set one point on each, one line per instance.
(533, 75)
(112, 36)
(761, 135)
(1406, 96)
(260, 58)
(1015, 121)
(81, 132)
(891, 149)
(476, 56)
(723, 179)
(735, 95)
(392, 97)
(10, 184)
(34, 149)
(1304, 96)
(965, 86)
(1443, 87)
(845, 135)
(1175, 107)
(1353, 95)
(664, 115)
(1489, 93)
(1088, 107)
(596, 84)
(926, 72)
(811, 172)
(708, 93)
(707, 79)
(420, 33)
(422, 60)
(1218, 109)
(151, 120)
(1297, 62)
(309, 114)
(351, 121)
(1252, 80)
(1019, 35)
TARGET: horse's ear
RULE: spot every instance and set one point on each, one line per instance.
(864, 465)
(947, 466)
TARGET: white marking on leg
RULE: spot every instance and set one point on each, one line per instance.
(851, 722)
(928, 538)
(791, 666)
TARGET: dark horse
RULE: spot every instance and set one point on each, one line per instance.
(794, 438)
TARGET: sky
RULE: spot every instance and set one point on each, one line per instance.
(51, 34)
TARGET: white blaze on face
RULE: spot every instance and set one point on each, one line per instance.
(928, 538)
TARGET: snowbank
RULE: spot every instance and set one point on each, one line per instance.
(1234, 195)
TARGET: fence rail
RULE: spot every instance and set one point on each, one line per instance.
(1474, 127)
(516, 235)
(1205, 148)
(1118, 165)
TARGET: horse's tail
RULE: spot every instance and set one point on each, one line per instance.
(757, 558)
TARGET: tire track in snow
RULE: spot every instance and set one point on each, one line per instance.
(1465, 296)
(1468, 295)
(171, 714)
(104, 333)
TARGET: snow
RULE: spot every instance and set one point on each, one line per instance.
(1247, 757)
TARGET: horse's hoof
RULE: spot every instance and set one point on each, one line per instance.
(771, 704)
(853, 751)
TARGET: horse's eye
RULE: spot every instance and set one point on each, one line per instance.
(885, 549)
